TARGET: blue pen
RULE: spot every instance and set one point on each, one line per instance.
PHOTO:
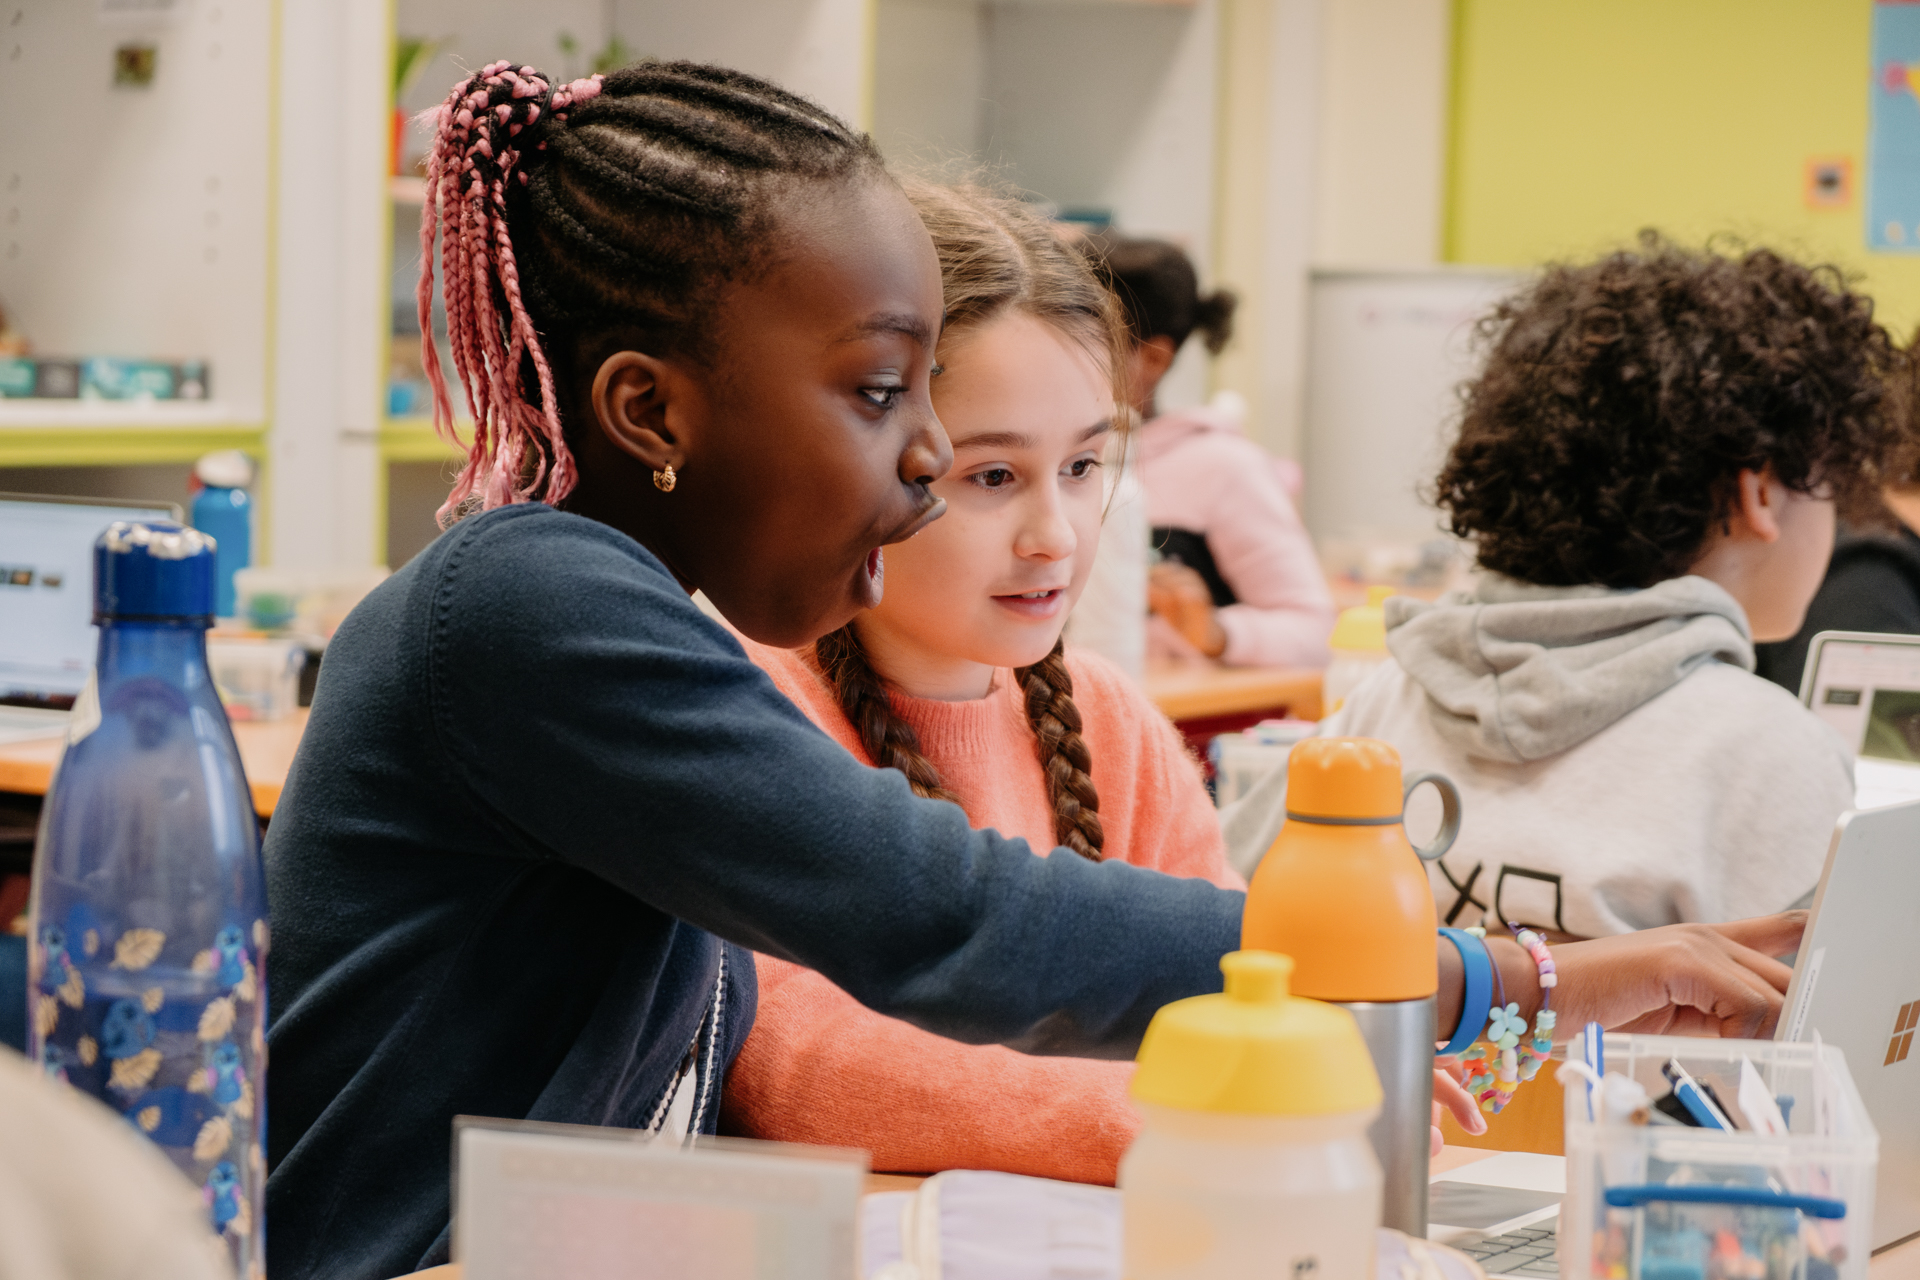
(1694, 1098)
(1595, 1055)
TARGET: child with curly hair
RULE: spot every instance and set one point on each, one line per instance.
(1649, 467)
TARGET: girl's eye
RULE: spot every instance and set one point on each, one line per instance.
(993, 478)
(1081, 468)
(882, 397)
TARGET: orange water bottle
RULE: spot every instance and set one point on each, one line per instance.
(1344, 893)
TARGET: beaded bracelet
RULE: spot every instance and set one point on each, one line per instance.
(1505, 1062)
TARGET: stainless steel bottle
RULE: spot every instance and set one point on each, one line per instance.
(1344, 893)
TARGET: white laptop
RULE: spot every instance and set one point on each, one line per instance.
(1866, 685)
(1857, 984)
(47, 636)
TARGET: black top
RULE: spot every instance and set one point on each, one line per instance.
(535, 778)
(1190, 548)
(1872, 584)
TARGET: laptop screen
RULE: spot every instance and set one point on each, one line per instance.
(47, 638)
(1868, 688)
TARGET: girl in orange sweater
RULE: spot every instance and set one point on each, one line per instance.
(958, 679)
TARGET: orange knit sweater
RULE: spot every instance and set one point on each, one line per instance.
(819, 1067)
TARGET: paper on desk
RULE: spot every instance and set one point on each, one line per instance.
(967, 1224)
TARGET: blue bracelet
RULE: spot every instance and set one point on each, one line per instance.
(1479, 994)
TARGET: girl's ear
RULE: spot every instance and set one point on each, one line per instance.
(636, 403)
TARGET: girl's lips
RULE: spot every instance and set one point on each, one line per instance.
(931, 511)
(870, 583)
(1035, 606)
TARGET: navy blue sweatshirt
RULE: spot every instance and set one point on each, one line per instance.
(537, 791)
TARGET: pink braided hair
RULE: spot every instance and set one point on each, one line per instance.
(518, 453)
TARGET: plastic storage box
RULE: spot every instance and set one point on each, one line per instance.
(258, 678)
(1670, 1202)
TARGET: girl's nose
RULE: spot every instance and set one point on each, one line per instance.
(1046, 533)
(928, 454)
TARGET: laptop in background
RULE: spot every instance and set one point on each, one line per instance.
(1866, 686)
(47, 636)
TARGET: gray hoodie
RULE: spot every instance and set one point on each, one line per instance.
(1619, 765)
(1517, 672)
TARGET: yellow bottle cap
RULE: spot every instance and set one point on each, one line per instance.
(1364, 627)
(1256, 1050)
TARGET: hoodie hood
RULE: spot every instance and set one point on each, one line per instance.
(1518, 672)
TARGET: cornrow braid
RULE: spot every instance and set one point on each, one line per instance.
(889, 740)
(611, 205)
(1063, 753)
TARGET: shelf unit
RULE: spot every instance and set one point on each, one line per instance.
(283, 275)
(182, 272)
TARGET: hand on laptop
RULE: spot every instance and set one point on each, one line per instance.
(1685, 979)
(1450, 1097)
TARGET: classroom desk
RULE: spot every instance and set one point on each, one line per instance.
(1183, 691)
(1899, 1263)
(1205, 690)
(266, 750)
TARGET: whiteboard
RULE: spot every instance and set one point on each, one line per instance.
(1386, 352)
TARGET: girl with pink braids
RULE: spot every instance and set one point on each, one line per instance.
(544, 804)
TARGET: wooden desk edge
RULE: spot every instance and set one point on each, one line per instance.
(33, 777)
(1231, 691)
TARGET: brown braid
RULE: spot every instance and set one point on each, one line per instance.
(890, 740)
(892, 743)
(1063, 753)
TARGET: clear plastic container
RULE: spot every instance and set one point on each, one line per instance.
(1668, 1202)
(258, 678)
(308, 602)
(1359, 648)
(1226, 1197)
(1252, 1158)
(1241, 759)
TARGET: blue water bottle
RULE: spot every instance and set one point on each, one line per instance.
(146, 982)
(224, 511)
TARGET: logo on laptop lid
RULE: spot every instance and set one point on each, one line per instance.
(1903, 1029)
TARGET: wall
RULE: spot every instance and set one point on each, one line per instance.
(929, 84)
(815, 47)
(1577, 124)
(1381, 165)
(329, 307)
(1092, 106)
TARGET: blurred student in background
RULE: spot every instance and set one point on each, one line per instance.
(1238, 579)
(1873, 580)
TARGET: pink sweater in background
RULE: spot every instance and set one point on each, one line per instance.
(1202, 474)
(820, 1067)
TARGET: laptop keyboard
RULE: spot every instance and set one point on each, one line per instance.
(1528, 1252)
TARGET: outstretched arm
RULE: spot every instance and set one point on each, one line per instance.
(1684, 979)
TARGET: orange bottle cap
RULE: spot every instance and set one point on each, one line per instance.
(1344, 778)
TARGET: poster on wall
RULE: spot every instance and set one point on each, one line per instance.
(1893, 138)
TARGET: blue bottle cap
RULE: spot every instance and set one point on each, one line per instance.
(153, 569)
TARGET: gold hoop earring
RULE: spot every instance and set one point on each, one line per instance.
(665, 480)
